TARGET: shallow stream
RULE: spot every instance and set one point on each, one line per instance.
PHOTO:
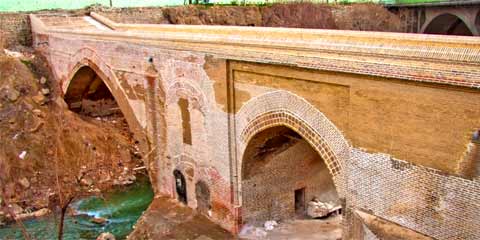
(121, 208)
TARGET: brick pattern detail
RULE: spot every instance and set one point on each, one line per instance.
(188, 91)
(15, 29)
(424, 199)
(282, 108)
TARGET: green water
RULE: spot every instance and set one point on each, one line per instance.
(122, 208)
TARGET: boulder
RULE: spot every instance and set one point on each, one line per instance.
(106, 236)
(39, 213)
(86, 181)
(98, 220)
(13, 95)
(317, 209)
(15, 208)
(45, 91)
(39, 99)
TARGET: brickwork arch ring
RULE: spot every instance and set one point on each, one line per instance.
(86, 57)
(282, 108)
(187, 91)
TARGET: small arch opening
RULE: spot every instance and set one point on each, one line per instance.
(202, 193)
(180, 186)
(448, 24)
(88, 95)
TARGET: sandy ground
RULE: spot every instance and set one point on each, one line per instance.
(304, 229)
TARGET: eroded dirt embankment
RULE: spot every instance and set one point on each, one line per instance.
(363, 17)
(15, 27)
(48, 152)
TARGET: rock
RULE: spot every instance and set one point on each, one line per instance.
(270, 225)
(13, 95)
(316, 209)
(38, 113)
(116, 182)
(43, 80)
(98, 220)
(39, 213)
(45, 91)
(86, 181)
(106, 236)
(39, 99)
(22, 155)
(13, 53)
(105, 178)
(131, 178)
(15, 208)
(3, 219)
(24, 182)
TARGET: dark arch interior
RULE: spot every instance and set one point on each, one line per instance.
(477, 21)
(281, 174)
(180, 186)
(202, 193)
(87, 94)
(448, 24)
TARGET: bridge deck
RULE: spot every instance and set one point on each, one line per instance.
(453, 60)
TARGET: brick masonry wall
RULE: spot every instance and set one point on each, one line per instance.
(419, 198)
(15, 29)
(135, 15)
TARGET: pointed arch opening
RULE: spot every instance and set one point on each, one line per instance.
(88, 94)
(281, 175)
(448, 24)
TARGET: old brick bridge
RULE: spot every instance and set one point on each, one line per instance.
(382, 123)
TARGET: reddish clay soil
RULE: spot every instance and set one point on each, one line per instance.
(367, 17)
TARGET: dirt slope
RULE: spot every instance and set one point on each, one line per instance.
(42, 142)
(295, 15)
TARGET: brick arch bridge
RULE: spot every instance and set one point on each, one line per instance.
(391, 114)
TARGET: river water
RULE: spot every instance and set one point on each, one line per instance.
(121, 207)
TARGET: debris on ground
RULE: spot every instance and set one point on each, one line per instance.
(270, 225)
(318, 209)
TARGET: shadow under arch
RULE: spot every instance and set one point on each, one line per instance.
(285, 109)
(448, 24)
(281, 173)
(85, 73)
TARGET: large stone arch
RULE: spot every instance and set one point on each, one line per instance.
(87, 58)
(282, 108)
(150, 134)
